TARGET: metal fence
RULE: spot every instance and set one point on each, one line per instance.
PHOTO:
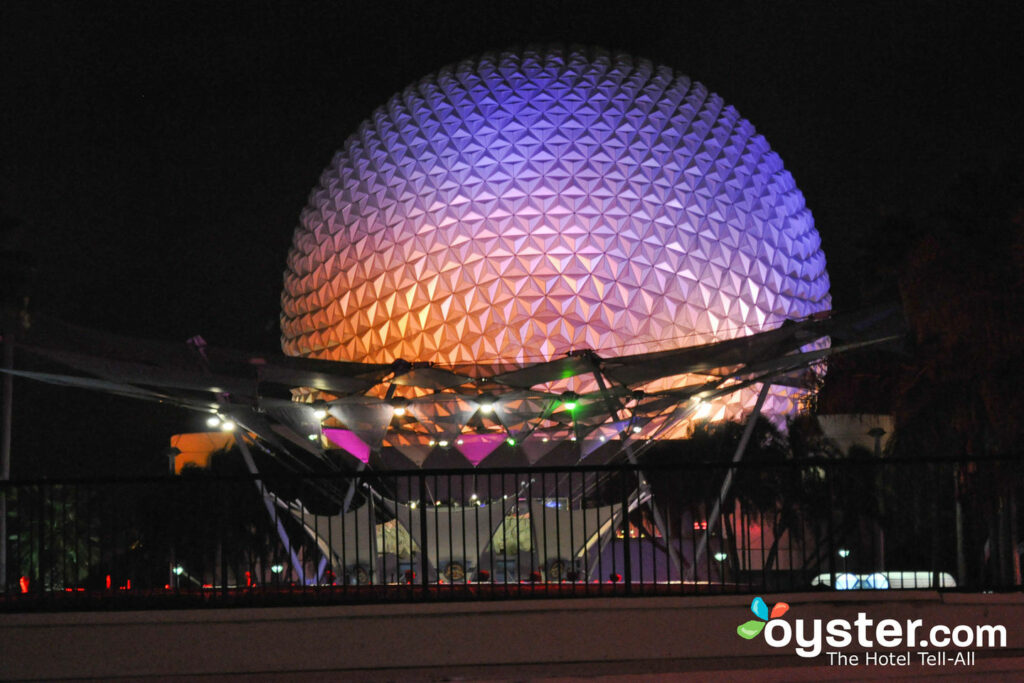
(488, 534)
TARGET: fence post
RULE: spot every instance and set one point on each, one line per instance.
(830, 471)
(627, 541)
(423, 529)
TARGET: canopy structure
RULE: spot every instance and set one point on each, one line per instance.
(319, 415)
(581, 407)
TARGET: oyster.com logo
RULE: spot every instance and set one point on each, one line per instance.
(752, 629)
(887, 642)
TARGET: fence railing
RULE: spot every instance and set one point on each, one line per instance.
(458, 534)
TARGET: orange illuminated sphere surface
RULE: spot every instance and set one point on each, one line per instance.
(521, 205)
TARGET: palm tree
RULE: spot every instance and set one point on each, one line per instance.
(212, 521)
(54, 539)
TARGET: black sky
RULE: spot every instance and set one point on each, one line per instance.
(158, 155)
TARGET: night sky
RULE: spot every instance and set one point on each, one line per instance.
(158, 159)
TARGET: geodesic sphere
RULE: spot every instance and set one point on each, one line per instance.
(521, 205)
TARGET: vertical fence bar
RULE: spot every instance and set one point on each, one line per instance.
(424, 549)
(627, 537)
(449, 571)
(830, 546)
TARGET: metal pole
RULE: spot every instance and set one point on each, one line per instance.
(5, 447)
(961, 559)
(172, 578)
(727, 482)
(642, 489)
(269, 504)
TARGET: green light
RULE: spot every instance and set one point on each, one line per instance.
(510, 441)
(570, 400)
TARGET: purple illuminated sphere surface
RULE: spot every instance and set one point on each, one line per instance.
(521, 205)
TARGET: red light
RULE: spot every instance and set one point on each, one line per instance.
(700, 526)
(108, 581)
(23, 583)
(248, 579)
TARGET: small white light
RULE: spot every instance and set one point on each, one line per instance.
(545, 439)
(412, 505)
(431, 443)
(443, 443)
(213, 421)
(473, 497)
(459, 442)
(277, 568)
(178, 570)
(313, 437)
(844, 553)
(486, 407)
(721, 557)
(703, 410)
(399, 410)
(637, 429)
(227, 426)
(319, 410)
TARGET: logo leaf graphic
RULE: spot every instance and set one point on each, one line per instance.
(750, 629)
(779, 609)
(759, 608)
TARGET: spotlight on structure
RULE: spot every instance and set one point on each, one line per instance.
(399, 405)
(570, 399)
(703, 410)
(319, 410)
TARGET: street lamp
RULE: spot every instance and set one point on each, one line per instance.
(844, 553)
(172, 452)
